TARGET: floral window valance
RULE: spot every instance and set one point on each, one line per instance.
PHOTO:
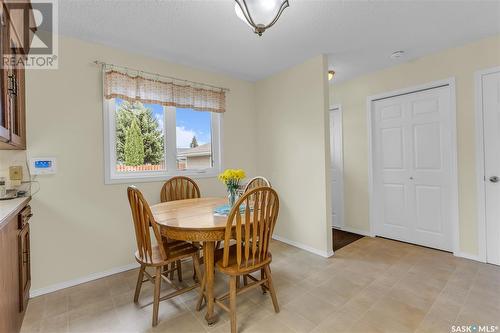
(151, 91)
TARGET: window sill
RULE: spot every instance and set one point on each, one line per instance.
(131, 179)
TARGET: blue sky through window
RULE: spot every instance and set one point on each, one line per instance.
(189, 123)
(192, 123)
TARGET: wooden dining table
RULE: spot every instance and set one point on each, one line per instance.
(194, 220)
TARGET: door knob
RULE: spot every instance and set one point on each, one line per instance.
(494, 179)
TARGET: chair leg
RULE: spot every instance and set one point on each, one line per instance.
(195, 274)
(195, 277)
(232, 302)
(271, 288)
(262, 277)
(179, 270)
(156, 299)
(196, 268)
(172, 270)
(245, 280)
(202, 293)
(139, 283)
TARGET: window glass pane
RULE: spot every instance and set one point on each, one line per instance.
(140, 134)
(194, 139)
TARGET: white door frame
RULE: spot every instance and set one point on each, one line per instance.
(480, 175)
(338, 107)
(454, 215)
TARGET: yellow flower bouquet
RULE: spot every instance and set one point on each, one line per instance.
(231, 178)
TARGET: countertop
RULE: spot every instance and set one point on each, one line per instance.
(10, 207)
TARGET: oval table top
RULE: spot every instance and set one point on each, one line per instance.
(190, 214)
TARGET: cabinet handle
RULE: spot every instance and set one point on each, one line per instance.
(12, 85)
(26, 257)
(15, 85)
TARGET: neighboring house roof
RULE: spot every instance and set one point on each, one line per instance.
(201, 150)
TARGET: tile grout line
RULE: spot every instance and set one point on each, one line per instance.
(434, 301)
(374, 303)
(467, 296)
(392, 287)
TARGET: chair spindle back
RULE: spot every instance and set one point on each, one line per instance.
(251, 223)
(257, 182)
(143, 220)
(179, 188)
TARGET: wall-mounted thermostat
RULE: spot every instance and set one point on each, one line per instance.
(43, 165)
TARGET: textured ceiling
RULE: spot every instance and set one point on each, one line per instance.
(358, 36)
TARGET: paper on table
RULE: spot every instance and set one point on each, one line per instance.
(225, 209)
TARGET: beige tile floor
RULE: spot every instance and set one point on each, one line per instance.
(372, 285)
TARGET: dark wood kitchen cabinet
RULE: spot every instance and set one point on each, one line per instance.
(12, 79)
(15, 270)
(16, 102)
(4, 111)
(24, 255)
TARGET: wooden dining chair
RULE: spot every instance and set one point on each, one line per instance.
(156, 256)
(255, 182)
(250, 225)
(179, 188)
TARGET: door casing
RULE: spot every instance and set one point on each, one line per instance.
(454, 215)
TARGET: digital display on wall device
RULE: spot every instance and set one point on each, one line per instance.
(43, 164)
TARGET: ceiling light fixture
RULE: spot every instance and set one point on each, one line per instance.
(260, 14)
(330, 75)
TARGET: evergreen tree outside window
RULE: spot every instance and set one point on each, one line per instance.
(134, 145)
(151, 131)
(194, 143)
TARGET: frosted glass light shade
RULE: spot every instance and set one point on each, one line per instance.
(260, 14)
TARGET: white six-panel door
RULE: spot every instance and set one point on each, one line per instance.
(336, 167)
(412, 155)
(491, 126)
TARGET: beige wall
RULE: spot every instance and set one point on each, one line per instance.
(460, 63)
(82, 226)
(292, 144)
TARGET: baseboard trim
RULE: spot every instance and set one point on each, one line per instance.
(469, 256)
(325, 254)
(356, 231)
(77, 281)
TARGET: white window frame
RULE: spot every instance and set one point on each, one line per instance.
(113, 177)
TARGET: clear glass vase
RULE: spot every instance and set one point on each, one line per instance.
(232, 196)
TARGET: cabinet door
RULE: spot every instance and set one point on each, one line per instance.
(16, 98)
(4, 114)
(24, 267)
